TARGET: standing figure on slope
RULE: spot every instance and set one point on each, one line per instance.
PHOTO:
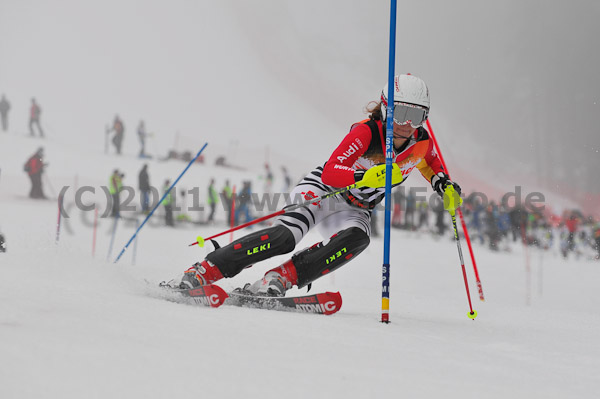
(4, 108)
(360, 157)
(34, 168)
(144, 186)
(115, 185)
(168, 203)
(141, 131)
(211, 200)
(119, 128)
(34, 118)
(268, 179)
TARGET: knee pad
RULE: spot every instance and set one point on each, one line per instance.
(261, 245)
(324, 258)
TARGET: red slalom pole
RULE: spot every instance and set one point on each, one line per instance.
(462, 219)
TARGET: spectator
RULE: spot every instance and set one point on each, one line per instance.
(144, 186)
(212, 200)
(243, 205)
(268, 178)
(34, 118)
(34, 168)
(287, 180)
(168, 203)
(141, 131)
(4, 108)
(115, 187)
(227, 199)
(119, 130)
(572, 224)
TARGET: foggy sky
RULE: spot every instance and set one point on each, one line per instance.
(514, 85)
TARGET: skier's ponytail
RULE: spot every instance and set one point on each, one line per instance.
(374, 110)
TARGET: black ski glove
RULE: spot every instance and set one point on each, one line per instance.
(440, 181)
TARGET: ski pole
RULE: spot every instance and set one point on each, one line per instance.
(60, 201)
(460, 214)
(200, 241)
(159, 202)
(450, 204)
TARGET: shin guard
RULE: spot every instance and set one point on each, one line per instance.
(324, 258)
(255, 247)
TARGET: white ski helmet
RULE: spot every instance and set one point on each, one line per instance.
(407, 89)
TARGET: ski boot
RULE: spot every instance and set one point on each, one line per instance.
(201, 273)
(275, 282)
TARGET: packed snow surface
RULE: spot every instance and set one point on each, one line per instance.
(77, 326)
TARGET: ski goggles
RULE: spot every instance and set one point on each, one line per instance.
(408, 113)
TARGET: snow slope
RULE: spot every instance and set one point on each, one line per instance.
(73, 326)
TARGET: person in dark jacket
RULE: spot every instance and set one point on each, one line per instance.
(144, 186)
(34, 168)
(4, 108)
(168, 203)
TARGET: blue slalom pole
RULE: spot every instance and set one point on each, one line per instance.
(389, 159)
(159, 202)
(137, 226)
(112, 237)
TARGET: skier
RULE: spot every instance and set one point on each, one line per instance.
(119, 130)
(115, 187)
(34, 168)
(4, 108)
(144, 186)
(360, 157)
(34, 118)
(212, 200)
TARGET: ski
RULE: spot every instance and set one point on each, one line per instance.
(206, 295)
(326, 303)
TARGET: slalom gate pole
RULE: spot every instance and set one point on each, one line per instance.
(472, 314)
(200, 241)
(112, 237)
(460, 214)
(137, 225)
(60, 201)
(159, 202)
(94, 234)
(389, 159)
